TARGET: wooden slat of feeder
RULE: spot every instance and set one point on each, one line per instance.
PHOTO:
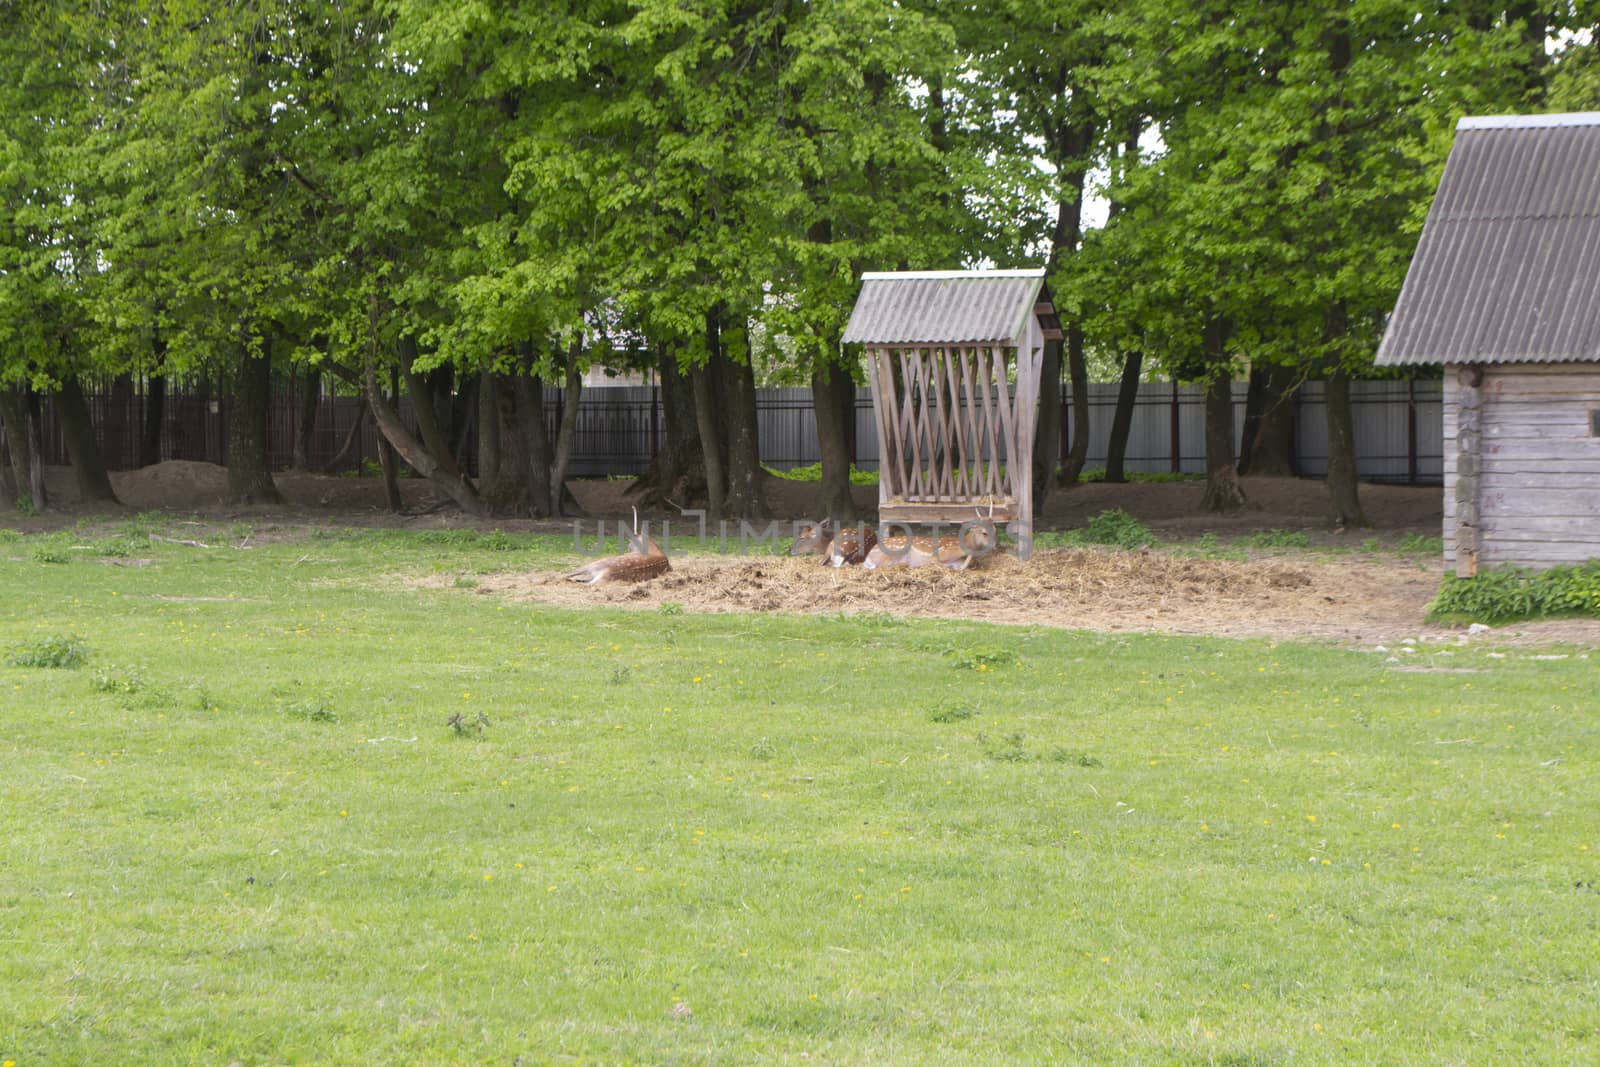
(946, 512)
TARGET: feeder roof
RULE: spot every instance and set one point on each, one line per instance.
(948, 307)
(1508, 266)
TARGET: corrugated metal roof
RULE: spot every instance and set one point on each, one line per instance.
(944, 307)
(1508, 267)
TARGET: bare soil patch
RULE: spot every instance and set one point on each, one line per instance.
(1348, 600)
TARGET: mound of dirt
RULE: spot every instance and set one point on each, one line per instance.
(177, 483)
(1072, 588)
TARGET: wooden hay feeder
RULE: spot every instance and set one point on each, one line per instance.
(954, 360)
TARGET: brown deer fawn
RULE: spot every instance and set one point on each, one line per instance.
(838, 546)
(643, 560)
(955, 552)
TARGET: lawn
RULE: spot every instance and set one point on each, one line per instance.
(292, 808)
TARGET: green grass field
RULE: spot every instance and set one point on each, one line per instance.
(292, 809)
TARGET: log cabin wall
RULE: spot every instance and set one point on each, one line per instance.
(1537, 447)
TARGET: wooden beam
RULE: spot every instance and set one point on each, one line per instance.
(1469, 440)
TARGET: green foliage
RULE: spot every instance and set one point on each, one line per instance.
(1098, 474)
(58, 652)
(982, 658)
(813, 473)
(1502, 594)
(468, 726)
(1421, 545)
(953, 713)
(51, 552)
(310, 711)
(124, 684)
(1117, 527)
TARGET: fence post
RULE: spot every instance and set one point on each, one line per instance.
(1175, 431)
(1411, 430)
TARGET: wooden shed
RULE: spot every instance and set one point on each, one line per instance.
(1504, 291)
(954, 360)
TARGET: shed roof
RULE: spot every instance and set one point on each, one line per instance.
(947, 307)
(1508, 267)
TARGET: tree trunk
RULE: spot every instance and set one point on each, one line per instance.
(1122, 419)
(420, 389)
(745, 498)
(454, 484)
(1069, 147)
(35, 428)
(488, 431)
(306, 426)
(833, 400)
(1269, 438)
(1343, 488)
(249, 464)
(1222, 478)
(88, 465)
(1046, 441)
(464, 418)
(707, 388)
(522, 472)
(8, 478)
(14, 418)
(155, 403)
(676, 475)
(1078, 372)
(566, 430)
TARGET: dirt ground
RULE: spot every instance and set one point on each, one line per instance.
(1370, 595)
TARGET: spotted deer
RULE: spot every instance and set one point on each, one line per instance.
(643, 560)
(956, 552)
(838, 546)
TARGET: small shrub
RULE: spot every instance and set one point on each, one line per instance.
(54, 653)
(952, 713)
(1009, 751)
(9, 535)
(50, 552)
(668, 607)
(1117, 527)
(121, 684)
(464, 727)
(983, 658)
(621, 674)
(311, 711)
(1504, 593)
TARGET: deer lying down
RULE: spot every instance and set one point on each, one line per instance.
(643, 560)
(846, 547)
(953, 552)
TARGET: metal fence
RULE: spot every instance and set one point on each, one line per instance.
(1398, 429)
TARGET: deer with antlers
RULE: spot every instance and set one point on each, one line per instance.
(643, 560)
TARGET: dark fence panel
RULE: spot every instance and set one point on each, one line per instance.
(1399, 428)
